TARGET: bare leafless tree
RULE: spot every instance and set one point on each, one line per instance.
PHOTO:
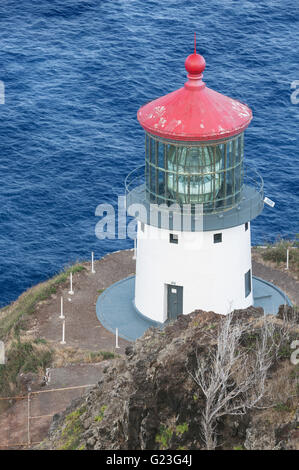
(231, 377)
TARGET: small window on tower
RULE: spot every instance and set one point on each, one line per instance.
(217, 237)
(142, 227)
(247, 283)
(173, 238)
(246, 226)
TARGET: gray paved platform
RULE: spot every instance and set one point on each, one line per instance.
(115, 307)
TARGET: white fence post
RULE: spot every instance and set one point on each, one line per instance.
(92, 263)
(62, 317)
(63, 333)
(71, 292)
(2, 353)
(287, 258)
(116, 339)
(28, 421)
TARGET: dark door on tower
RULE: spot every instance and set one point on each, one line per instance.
(174, 301)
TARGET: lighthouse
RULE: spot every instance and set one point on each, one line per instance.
(194, 199)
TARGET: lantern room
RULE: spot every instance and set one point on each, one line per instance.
(208, 173)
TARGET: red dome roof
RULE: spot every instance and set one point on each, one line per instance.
(194, 112)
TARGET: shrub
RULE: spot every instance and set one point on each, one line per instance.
(283, 407)
(277, 253)
(181, 428)
(107, 354)
(100, 417)
(22, 357)
(71, 433)
(164, 437)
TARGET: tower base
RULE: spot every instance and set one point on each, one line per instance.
(115, 306)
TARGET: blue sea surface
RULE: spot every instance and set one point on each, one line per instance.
(75, 74)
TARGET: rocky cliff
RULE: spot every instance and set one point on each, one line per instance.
(148, 399)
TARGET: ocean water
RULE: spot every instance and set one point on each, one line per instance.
(75, 73)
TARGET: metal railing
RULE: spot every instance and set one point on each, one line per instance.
(135, 178)
(135, 184)
(254, 179)
(23, 427)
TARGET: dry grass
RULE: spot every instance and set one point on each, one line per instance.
(70, 355)
(283, 388)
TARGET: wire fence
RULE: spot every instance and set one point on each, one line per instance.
(25, 423)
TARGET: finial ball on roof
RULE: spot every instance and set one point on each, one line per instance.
(195, 64)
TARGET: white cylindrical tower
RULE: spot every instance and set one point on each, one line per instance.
(210, 275)
(194, 200)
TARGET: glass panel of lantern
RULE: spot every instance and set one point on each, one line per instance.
(229, 178)
(161, 174)
(197, 170)
(170, 175)
(221, 174)
(238, 168)
(153, 180)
